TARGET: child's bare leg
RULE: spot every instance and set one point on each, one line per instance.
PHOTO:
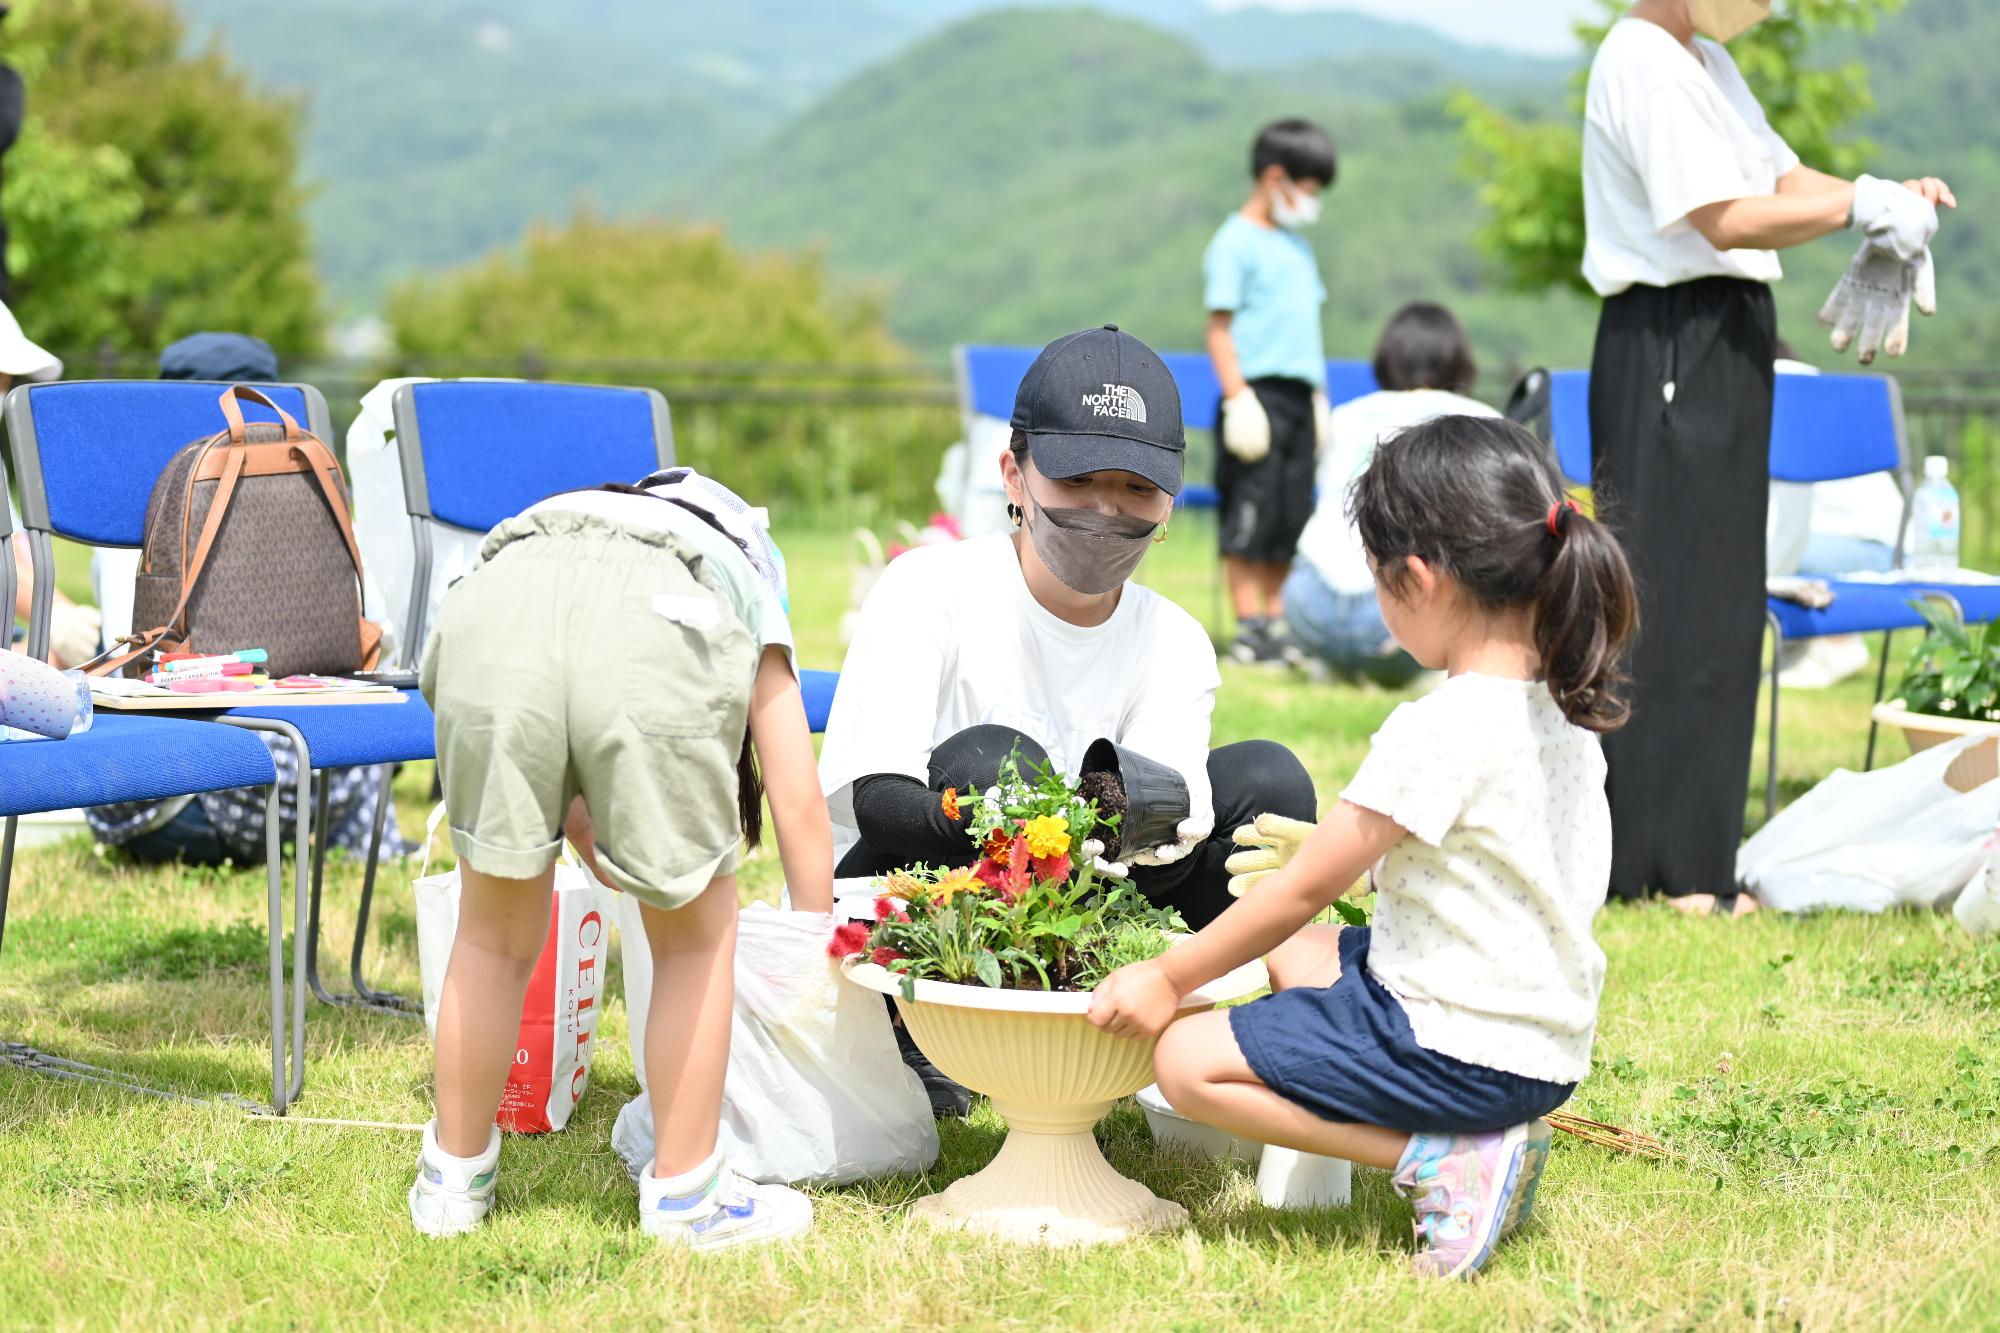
(1309, 959)
(687, 1023)
(502, 924)
(1205, 1077)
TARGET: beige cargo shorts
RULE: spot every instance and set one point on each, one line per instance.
(585, 658)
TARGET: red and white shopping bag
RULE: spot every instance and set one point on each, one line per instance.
(559, 1019)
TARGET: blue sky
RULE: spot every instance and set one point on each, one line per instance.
(1541, 27)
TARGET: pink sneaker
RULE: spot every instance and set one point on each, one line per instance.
(1462, 1187)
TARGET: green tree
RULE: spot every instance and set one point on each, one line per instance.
(617, 301)
(152, 193)
(1530, 171)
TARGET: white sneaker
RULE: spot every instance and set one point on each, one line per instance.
(453, 1194)
(724, 1211)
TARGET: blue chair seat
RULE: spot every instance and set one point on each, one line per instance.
(359, 735)
(129, 757)
(818, 688)
(1873, 607)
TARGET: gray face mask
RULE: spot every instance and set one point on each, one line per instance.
(1090, 552)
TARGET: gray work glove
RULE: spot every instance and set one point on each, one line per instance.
(1870, 305)
(1246, 430)
(1894, 218)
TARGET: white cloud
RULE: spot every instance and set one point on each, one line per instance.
(1539, 27)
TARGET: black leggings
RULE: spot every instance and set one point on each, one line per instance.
(901, 821)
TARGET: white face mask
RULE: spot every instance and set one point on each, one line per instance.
(1725, 20)
(1292, 208)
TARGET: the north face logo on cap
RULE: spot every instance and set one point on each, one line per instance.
(1117, 400)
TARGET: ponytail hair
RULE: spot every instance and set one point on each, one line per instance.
(1481, 499)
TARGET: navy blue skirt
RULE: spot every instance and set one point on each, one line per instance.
(1345, 1052)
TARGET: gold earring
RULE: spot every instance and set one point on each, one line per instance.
(1161, 535)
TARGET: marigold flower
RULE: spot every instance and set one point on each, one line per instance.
(950, 803)
(849, 939)
(1048, 835)
(999, 846)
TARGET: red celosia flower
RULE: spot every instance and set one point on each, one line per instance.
(951, 811)
(1016, 880)
(885, 956)
(990, 873)
(885, 910)
(1052, 868)
(849, 939)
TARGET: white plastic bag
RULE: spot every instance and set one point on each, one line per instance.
(1896, 837)
(815, 1090)
(552, 1055)
(1978, 908)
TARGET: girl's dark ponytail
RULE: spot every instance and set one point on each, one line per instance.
(1482, 500)
(1585, 612)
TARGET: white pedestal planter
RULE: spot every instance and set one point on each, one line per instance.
(1976, 767)
(1052, 1075)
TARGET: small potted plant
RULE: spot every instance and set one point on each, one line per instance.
(1951, 688)
(991, 964)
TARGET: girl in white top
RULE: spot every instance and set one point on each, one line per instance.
(1424, 364)
(1432, 1043)
(1688, 194)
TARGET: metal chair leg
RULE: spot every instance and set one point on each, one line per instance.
(6, 871)
(385, 802)
(1881, 683)
(321, 821)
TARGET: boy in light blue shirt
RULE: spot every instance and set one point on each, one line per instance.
(1262, 289)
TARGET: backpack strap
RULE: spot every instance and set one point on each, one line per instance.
(326, 471)
(234, 414)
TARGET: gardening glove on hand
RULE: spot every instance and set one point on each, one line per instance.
(1246, 430)
(1870, 305)
(1895, 219)
(74, 632)
(1093, 852)
(1188, 835)
(1274, 841)
(1322, 424)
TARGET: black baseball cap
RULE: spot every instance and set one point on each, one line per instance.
(1100, 400)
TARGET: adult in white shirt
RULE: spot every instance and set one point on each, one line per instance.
(1424, 364)
(1688, 193)
(1034, 639)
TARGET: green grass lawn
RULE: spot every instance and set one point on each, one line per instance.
(1832, 1085)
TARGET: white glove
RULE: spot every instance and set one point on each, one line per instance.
(1870, 305)
(1894, 218)
(1275, 840)
(1246, 430)
(74, 633)
(1188, 834)
(1322, 424)
(1093, 851)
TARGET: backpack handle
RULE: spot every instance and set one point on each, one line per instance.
(234, 414)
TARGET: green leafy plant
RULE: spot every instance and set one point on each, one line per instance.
(1955, 671)
(1029, 912)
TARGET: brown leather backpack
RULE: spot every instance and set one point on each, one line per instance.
(249, 545)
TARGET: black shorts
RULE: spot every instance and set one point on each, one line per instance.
(1263, 506)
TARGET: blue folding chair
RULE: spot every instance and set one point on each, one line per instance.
(127, 757)
(88, 453)
(1823, 428)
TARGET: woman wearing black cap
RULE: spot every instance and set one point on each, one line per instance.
(1035, 639)
(1688, 194)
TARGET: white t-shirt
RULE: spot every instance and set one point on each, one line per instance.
(1482, 920)
(950, 638)
(1666, 132)
(1329, 541)
(753, 599)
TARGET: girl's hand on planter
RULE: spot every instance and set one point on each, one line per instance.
(1135, 1001)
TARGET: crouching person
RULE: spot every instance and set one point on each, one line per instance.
(618, 666)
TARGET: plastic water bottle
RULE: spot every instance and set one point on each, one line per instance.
(1934, 521)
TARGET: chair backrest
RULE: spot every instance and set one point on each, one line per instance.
(87, 452)
(1829, 427)
(475, 452)
(989, 375)
(1823, 427)
(1569, 422)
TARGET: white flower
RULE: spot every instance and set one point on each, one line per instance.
(992, 796)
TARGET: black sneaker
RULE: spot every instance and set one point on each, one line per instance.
(1249, 641)
(948, 1099)
(1260, 643)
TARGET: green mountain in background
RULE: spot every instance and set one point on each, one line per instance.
(1003, 173)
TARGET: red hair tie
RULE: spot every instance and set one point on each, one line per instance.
(1558, 520)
